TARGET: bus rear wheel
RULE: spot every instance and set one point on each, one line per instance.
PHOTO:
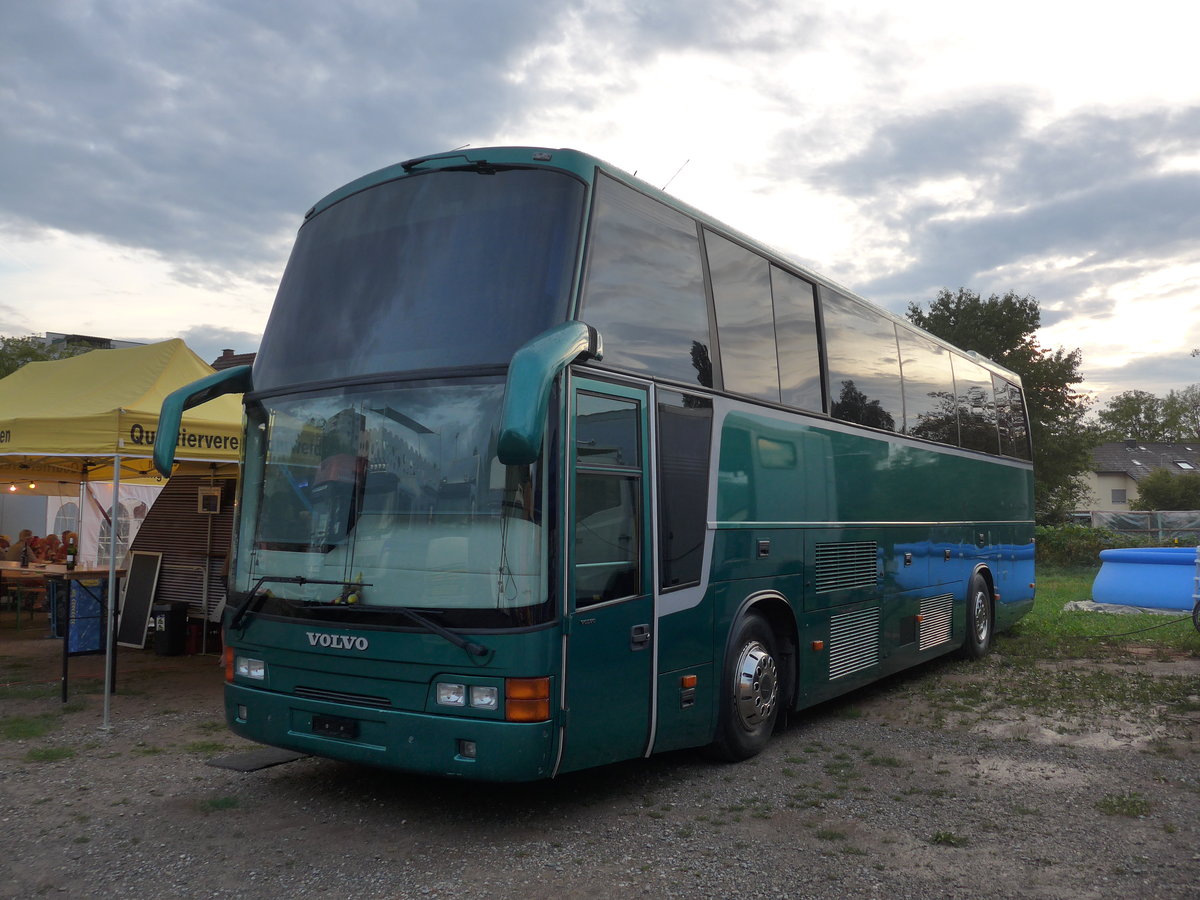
(979, 618)
(750, 691)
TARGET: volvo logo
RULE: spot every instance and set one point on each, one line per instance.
(337, 641)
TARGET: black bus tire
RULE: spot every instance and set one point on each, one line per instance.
(750, 691)
(980, 618)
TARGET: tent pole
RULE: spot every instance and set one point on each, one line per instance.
(212, 480)
(110, 637)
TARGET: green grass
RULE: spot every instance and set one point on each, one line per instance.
(1131, 805)
(830, 834)
(204, 747)
(1050, 631)
(29, 691)
(49, 754)
(947, 839)
(214, 804)
(1031, 669)
(24, 728)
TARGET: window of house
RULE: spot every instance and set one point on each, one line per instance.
(1118, 495)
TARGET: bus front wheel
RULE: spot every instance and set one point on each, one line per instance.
(750, 691)
(979, 618)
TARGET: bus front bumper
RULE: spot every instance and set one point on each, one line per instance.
(410, 741)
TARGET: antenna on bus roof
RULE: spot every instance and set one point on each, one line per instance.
(676, 175)
(463, 147)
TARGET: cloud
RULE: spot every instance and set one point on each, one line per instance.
(1158, 374)
(204, 129)
(943, 143)
(208, 341)
(1085, 193)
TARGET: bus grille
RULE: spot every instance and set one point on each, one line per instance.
(853, 642)
(852, 564)
(312, 693)
(936, 613)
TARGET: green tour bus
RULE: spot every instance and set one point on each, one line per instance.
(545, 470)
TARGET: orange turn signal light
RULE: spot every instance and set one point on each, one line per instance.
(229, 664)
(688, 681)
(527, 699)
(818, 646)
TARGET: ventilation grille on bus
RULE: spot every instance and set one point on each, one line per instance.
(846, 565)
(853, 642)
(936, 613)
(342, 697)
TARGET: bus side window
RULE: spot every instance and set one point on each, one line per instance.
(684, 439)
(644, 287)
(977, 416)
(608, 485)
(607, 538)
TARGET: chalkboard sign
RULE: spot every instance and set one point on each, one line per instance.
(137, 597)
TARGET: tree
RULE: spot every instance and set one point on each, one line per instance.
(1140, 415)
(1162, 489)
(1004, 329)
(1135, 415)
(1181, 414)
(16, 351)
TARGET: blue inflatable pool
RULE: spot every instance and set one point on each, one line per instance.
(1151, 577)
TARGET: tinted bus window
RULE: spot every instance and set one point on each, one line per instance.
(796, 338)
(1014, 423)
(684, 438)
(607, 499)
(864, 363)
(644, 289)
(440, 269)
(930, 406)
(977, 421)
(741, 284)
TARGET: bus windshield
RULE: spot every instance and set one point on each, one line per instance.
(395, 494)
(443, 269)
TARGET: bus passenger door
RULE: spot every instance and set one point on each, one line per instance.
(611, 641)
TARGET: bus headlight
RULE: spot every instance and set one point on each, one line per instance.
(485, 697)
(451, 694)
(247, 667)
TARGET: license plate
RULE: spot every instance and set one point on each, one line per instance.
(335, 726)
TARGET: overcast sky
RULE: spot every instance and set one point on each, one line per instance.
(156, 156)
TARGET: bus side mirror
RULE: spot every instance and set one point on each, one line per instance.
(229, 381)
(531, 375)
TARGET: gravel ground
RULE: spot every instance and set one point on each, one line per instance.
(903, 790)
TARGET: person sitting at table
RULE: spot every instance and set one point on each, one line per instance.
(52, 549)
(22, 546)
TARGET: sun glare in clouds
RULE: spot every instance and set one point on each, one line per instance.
(77, 284)
(1075, 54)
(1154, 314)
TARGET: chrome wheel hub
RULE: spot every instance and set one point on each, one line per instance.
(755, 689)
(981, 616)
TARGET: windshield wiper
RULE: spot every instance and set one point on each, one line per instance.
(245, 608)
(482, 166)
(424, 621)
(253, 597)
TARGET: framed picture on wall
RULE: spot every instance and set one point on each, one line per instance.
(208, 501)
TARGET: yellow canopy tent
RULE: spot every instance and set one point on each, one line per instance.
(94, 417)
(77, 419)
